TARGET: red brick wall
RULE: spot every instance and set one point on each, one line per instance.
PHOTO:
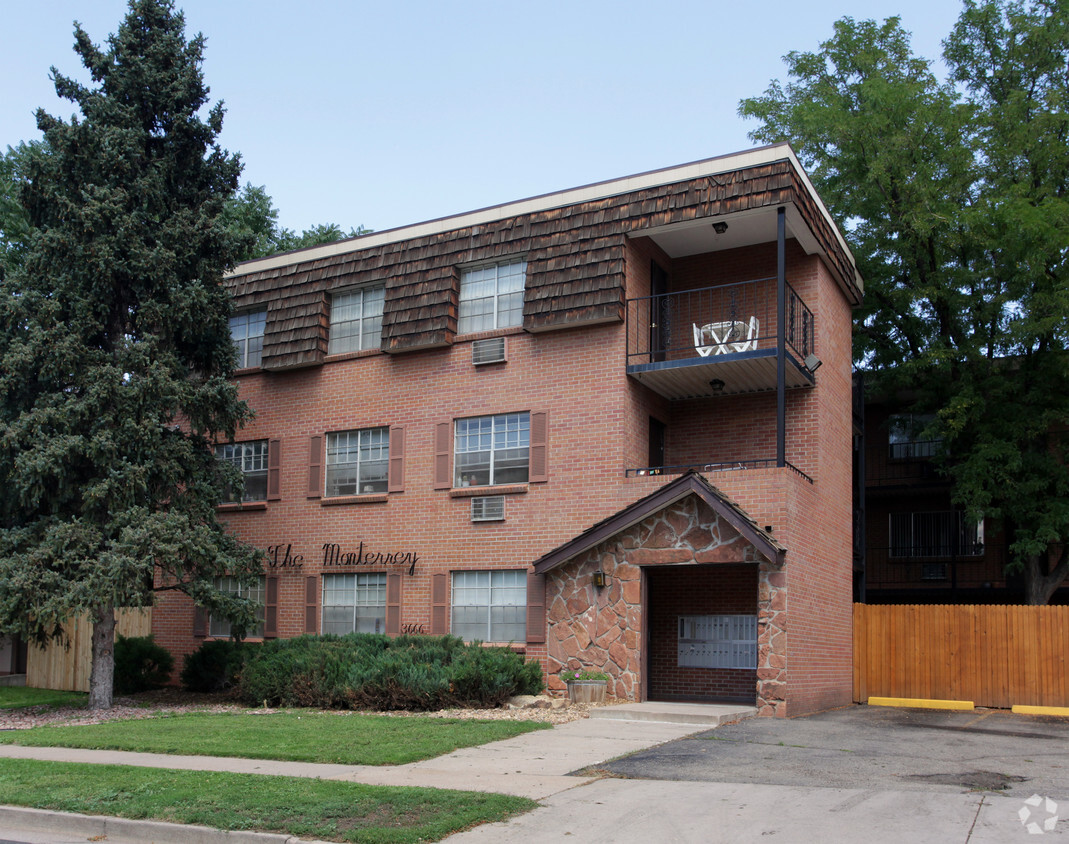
(696, 590)
(598, 427)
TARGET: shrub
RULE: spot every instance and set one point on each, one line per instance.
(371, 671)
(140, 664)
(215, 665)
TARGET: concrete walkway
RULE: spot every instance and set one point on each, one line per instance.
(534, 765)
(539, 764)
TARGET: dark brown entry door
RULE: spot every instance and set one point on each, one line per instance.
(660, 312)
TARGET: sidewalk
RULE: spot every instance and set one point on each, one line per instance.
(534, 765)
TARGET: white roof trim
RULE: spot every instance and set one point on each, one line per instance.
(599, 190)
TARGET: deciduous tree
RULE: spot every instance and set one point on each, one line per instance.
(955, 193)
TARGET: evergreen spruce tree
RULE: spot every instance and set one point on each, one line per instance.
(115, 352)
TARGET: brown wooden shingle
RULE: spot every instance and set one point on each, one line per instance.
(575, 269)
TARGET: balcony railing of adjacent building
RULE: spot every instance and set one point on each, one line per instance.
(972, 572)
(897, 466)
(719, 340)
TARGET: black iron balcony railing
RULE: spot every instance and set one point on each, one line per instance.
(718, 466)
(713, 321)
(903, 465)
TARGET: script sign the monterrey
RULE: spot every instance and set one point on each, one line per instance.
(334, 556)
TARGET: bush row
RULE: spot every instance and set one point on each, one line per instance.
(372, 671)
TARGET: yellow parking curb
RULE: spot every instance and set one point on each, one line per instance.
(1061, 711)
(921, 703)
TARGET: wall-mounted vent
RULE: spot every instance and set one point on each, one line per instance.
(488, 351)
(490, 508)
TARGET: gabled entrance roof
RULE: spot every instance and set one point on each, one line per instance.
(691, 483)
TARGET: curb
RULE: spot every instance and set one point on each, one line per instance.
(100, 827)
(922, 703)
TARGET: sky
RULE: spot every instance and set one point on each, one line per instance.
(386, 114)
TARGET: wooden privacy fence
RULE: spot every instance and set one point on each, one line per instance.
(992, 655)
(56, 667)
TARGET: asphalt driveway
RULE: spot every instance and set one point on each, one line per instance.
(873, 747)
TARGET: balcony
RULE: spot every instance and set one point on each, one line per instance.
(718, 341)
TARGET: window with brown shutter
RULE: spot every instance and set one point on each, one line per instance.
(393, 604)
(539, 470)
(271, 608)
(315, 467)
(396, 482)
(536, 607)
(200, 622)
(439, 604)
(274, 470)
(443, 455)
(311, 605)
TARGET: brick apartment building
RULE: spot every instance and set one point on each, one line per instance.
(609, 426)
(913, 544)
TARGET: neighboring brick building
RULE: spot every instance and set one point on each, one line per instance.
(913, 544)
(465, 425)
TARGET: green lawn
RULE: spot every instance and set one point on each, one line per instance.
(19, 697)
(336, 811)
(302, 736)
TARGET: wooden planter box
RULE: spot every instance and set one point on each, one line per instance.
(587, 691)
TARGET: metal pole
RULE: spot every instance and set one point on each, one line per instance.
(781, 337)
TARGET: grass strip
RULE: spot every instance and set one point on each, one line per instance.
(348, 738)
(334, 811)
(20, 697)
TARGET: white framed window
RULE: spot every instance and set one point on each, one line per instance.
(354, 603)
(356, 319)
(491, 296)
(490, 606)
(251, 460)
(492, 450)
(946, 533)
(220, 627)
(247, 332)
(358, 461)
(906, 438)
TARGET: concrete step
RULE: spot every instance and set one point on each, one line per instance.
(710, 714)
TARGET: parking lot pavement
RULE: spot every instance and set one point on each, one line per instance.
(869, 774)
(874, 747)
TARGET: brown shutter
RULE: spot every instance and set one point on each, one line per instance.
(393, 604)
(396, 482)
(271, 608)
(443, 454)
(315, 467)
(536, 607)
(200, 622)
(539, 469)
(439, 604)
(311, 605)
(274, 470)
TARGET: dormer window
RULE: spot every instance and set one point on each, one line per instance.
(356, 320)
(247, 332)
(492, 297)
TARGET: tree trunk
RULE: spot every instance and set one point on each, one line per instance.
(103, 673)
(1038, 586)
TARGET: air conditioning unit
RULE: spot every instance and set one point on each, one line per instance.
(491, 350)
(490, 508)
(934, 571)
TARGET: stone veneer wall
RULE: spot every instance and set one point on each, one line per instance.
(602, 629)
